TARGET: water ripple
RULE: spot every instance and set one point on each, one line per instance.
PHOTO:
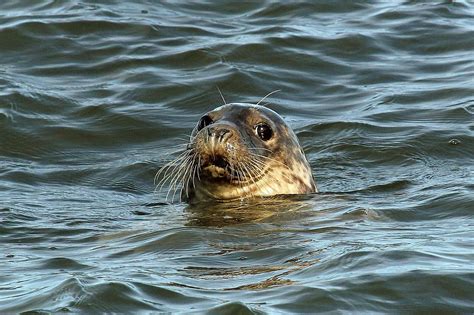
(93, 97)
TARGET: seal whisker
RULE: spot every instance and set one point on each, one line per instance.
(192, 169)
(239, 175)
(251, 176)
(241, 184)
(195, 170)
(260, 148)
(178, 178)
(263, 98)
(187, 177)
(169, 167)
(184, 182)
(190, 176)
(170, 164)
(255, 168)
(281, 164)
(185, 144)
(258, 167)
(183, 152)
(168, 174)
(175, 187)
(172, 186)
(259, 184)
(256, 159)
(186, 136)
(222, 96)
(272, 160)
(243, 172)
(199, 168)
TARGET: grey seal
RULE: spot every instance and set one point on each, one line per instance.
(240, 151)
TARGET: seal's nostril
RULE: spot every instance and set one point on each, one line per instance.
(217, 132)
(221, 133)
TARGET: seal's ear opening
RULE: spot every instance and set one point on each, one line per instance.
(204, 122)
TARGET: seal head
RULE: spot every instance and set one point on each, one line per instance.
(240, 151)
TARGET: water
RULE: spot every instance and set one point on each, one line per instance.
(95, 96)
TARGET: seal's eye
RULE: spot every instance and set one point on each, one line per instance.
(204, 121)
(264, 132)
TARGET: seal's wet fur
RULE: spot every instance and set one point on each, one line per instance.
(240, 151)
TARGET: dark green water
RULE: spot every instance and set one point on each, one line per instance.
(95, 95)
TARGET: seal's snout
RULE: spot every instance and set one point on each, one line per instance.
(220, 132)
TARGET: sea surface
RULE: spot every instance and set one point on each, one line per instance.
(97, 96)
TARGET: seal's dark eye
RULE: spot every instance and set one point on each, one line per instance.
(264, 132)
(205, 121)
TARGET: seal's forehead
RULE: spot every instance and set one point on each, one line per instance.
(246, 112)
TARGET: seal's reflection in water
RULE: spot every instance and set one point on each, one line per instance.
(256, 210)
(252, 244)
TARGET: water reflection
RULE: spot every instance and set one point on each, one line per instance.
(264, 210)
(379, 93)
